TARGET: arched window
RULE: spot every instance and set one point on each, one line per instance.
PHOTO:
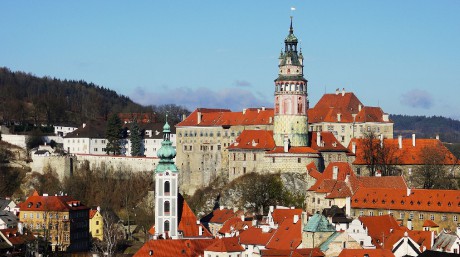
(167, 207)
(167, 187)
(166, 225)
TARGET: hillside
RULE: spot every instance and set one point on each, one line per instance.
(28, 99)
(427, 127)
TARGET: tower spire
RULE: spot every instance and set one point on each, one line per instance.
(291, 30)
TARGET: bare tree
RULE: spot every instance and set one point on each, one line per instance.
(379, 156)
(435, 172)
(112, 234)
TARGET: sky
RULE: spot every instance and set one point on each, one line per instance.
(403, 56)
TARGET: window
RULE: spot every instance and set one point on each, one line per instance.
(313, 200)
(38, 215)
(444, 217)
(95, 149)
(273, 160)
(371, 213)
(361, 213)
(97, 222)
(411, 216)
(244, 157)
(299, 160)
(318, 201)
(97, 231)
(167, 188)
(432, 217)
(343, 129)
(380, 213)
(255, 157)
(455, 218)
(218, 147)
(166, 225)
(401, 215)
(167, 207)
(420, 216)
(244, 170)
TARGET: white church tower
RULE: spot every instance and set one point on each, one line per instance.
(166, 189)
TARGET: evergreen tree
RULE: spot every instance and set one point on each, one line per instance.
(137, 149)
(114, 135)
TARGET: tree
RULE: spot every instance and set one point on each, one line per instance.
(379, 156)
(434, 173)
(137, 148)
(114, 135)
(34, 140)
(112, 234)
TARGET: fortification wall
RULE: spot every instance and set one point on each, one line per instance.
(19, 140)
(135, 164)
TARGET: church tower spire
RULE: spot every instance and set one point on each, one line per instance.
(291, 98)
(166, 188)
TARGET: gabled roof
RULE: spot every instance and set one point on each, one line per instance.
(234, 224)
(313, 171)
(340, 190)
(407, 154)
(430, 224)
(225, 117)
(429, 253)
(396, 182)
(287, 236)
(280, 214)
(325, 182)
(37, 202)
(430, 200)
(254, 139)
(256, 236)
(15, 238)
(8, 218)
(328, 142)
(94, 129)
(188, 221)
(371, 114)
(445, 241)
(4, 203)
(179, 247)
(225, 245)
(293, 150)
(318, 223)
(363, 252)
(219, 216)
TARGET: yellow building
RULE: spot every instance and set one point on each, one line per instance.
(61, 221)
(96, 223)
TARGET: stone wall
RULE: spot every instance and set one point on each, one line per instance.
(63, 165)
(19, 140)
(135, 164)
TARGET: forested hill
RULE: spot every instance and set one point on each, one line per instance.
(28, 99)
(428, 127)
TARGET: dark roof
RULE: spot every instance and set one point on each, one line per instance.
(430, 253)
(4, 203)
(89, 130)
(157, 129)
(8, 218)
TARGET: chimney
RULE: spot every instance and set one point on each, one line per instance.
(335, 171)
(221, 207)
(183, 116)
(21, 228)
(318, 138)
(339, 117)
(360, 106)
(400, 141)
(437, 137)
(270, 119)
(200, 230)
(296, 219)
(343, 91)
(409, 224)
(337, 91)
(235, 209)
(353, 147)
(413, 140)
(244, 111)
(254, 222)
(348, 206)
(271, 208)
(263, 108)
(286, 144)
(198, 120)
(381, 140)
(242, 217)
(408, 191)
(84, 125)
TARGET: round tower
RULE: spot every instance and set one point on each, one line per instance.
(291, 98)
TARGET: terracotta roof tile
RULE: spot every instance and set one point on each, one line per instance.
(220, 216)
(287, 236)
(234, 224)
(36, 202)
(280, 214)
(15, 238)
(430, 224)
(225, 117)
(254, 139)
(188, 221)
(430, 200)
(328, 142)
(256, 236)
(363, 252)
(340, 190)
(303, 252)
(225, 245)
(407, 154)
(371, 114)
(179, 247)
(294, 150)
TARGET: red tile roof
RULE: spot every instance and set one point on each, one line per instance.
(188, 221)
(234, 224)
(325, 182)
(371, 114)
(220, 216)
(429, 200)
(36, 202)
(15, 238)
(226, 244)
(225, 117)
(363, 252)
(340, 190)
(256, 236)
(313, 171)
(92, 212)
(330, 105)
(287, 236)
(303, 252)
(179, 247)
(281, 214)
(430, 224)
(408, 154)
(294, 150)
(254, 139)
(379, 226)
(396, 182)
(328, 142)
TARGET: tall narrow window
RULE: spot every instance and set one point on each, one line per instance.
(167, 226)
(167, 207)
(167, 188)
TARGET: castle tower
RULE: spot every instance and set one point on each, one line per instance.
(166, 188)
(291, 98)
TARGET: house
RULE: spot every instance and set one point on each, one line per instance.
(176, 247)
(8, 220)
(225, 247)
(337, 242)
(60, 219)
(447, 242)
(6, 204)
(316, 231)
(343, 114)
(215, 220)
(16, 242)
(96, 223)
(62, 131)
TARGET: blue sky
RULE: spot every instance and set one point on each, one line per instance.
(401, 55)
